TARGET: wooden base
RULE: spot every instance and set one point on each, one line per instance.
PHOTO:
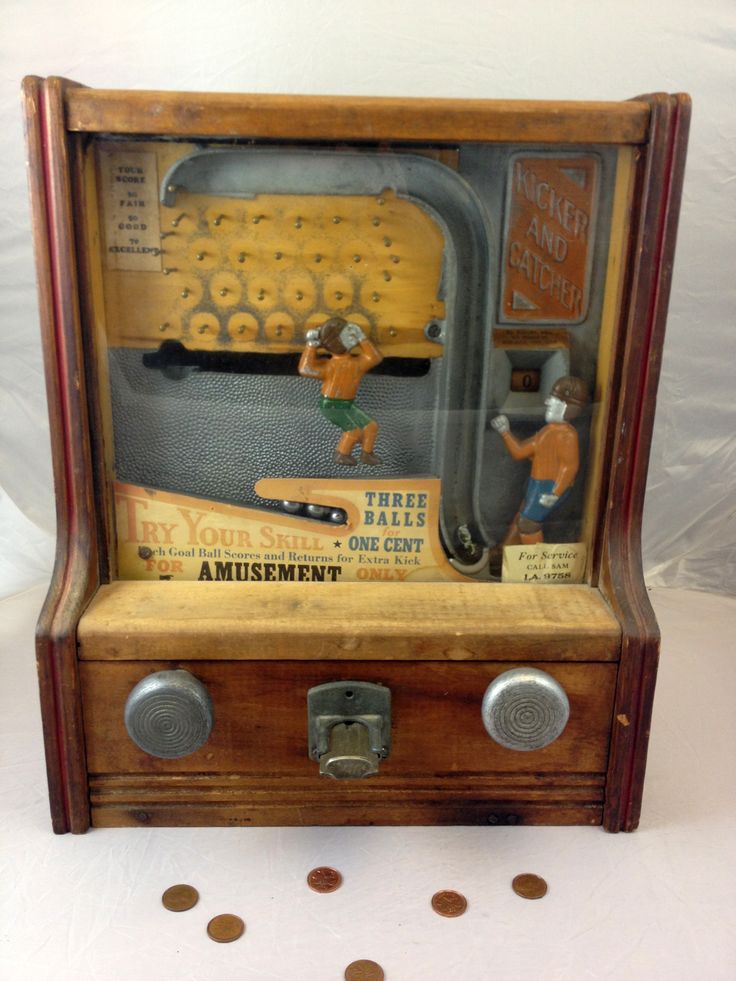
(431, 646)
(237, 801)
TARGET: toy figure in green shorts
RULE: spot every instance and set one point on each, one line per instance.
(351, 355)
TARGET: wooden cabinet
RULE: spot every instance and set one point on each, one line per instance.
(190, 249)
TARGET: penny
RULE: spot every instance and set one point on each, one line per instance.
(449, 903)
(324, 879)
(225, 928)
(181, 897)
(529, 886)
(364, 971)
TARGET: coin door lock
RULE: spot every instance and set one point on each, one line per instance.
(349, 728)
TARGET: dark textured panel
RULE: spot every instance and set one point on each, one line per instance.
(215, 434)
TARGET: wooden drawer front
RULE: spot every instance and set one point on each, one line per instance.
(260, 725)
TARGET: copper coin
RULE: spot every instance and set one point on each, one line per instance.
(324, 879)
(529, 886)
(449, 903)
(364, 971)
(181, 897)
(225, 928)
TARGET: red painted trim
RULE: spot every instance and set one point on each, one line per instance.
(671, 174)
(638, 470)
(65, 521)
(622, 582)
(75, 572)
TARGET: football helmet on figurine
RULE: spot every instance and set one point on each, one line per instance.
(574, 392)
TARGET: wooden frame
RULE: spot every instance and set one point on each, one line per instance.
(610, 622)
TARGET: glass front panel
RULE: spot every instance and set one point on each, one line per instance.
(355, 363)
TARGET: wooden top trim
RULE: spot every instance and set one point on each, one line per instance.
(368, 621)
(194, 114)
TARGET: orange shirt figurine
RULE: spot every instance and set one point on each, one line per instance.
(554, 455)
(351, 355)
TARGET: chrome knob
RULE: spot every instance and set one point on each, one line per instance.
(525, 709)
(169, 714)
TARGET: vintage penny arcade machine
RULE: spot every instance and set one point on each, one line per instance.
(351, 402)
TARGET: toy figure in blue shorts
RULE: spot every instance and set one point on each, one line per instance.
(554, 455)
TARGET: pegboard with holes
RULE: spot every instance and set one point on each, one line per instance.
(254, 274)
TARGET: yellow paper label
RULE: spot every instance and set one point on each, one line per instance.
(389, 534)
(544, 563)
(131, 210)
(534, 338)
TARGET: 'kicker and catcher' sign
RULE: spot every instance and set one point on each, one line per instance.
(550, 214)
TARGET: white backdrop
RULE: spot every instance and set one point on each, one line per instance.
(610, 50)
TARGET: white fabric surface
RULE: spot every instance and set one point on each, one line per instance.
(656, 904)
(611, 49)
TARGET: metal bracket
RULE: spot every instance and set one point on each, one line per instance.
(349, 701)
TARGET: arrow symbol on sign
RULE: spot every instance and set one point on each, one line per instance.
(521, 302)
(576, 174)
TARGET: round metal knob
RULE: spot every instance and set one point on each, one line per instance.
(525, 709)
(169, 714)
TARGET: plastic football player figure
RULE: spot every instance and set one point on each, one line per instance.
(554, 455)
(351, 355)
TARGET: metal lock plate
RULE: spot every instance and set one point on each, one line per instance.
(340, 703)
